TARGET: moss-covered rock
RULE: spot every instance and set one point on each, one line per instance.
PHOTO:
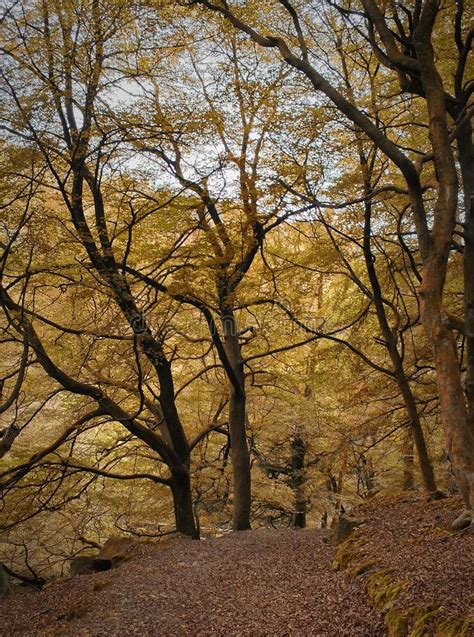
(344, 527)
(425, 621)
(349, 552)
(382, 589)
(396, 622)
(453, 626)
(362, 568)
(422, 617)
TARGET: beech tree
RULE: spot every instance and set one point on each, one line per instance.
(233, 230)
(392, 335)
(82, 137)
(409, 50)
(53, 92)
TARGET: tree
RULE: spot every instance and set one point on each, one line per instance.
(64, 76)
(414, 61)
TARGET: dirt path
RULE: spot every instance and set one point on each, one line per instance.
(254, 583)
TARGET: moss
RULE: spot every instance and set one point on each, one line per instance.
(396, 622)
(424, 622)
(349, 551)
(383, 590)
(361, 569)
(454, 626)
(422, 616)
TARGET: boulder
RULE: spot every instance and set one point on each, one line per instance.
(112, 553)
(344, 527)
(5, 584)
(82, 565)
(117, 545)
(463, 521)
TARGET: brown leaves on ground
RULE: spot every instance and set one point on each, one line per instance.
(412, 540)
(255, 583)
(259, 583)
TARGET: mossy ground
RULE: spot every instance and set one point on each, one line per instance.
(384, 588)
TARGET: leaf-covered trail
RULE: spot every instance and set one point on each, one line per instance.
(253, 583)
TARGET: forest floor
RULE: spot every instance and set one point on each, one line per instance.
(273, 582)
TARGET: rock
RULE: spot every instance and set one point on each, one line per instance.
(117, 545)
(463, 521)
(82, 565)
(344, 527)
(114, 551)
(5, 584)
(434, 496)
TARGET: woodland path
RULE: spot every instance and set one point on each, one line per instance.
(256, 583)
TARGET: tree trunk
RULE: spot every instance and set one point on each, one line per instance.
(435, 254)
(459, 434)
(408, 462)
(426, 467)
(466, 160)
(297, 482)
(183, 503)
(390, 338)
(237, 429)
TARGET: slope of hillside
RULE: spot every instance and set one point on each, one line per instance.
(415, 569)
(251, 583)
(269, 582)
